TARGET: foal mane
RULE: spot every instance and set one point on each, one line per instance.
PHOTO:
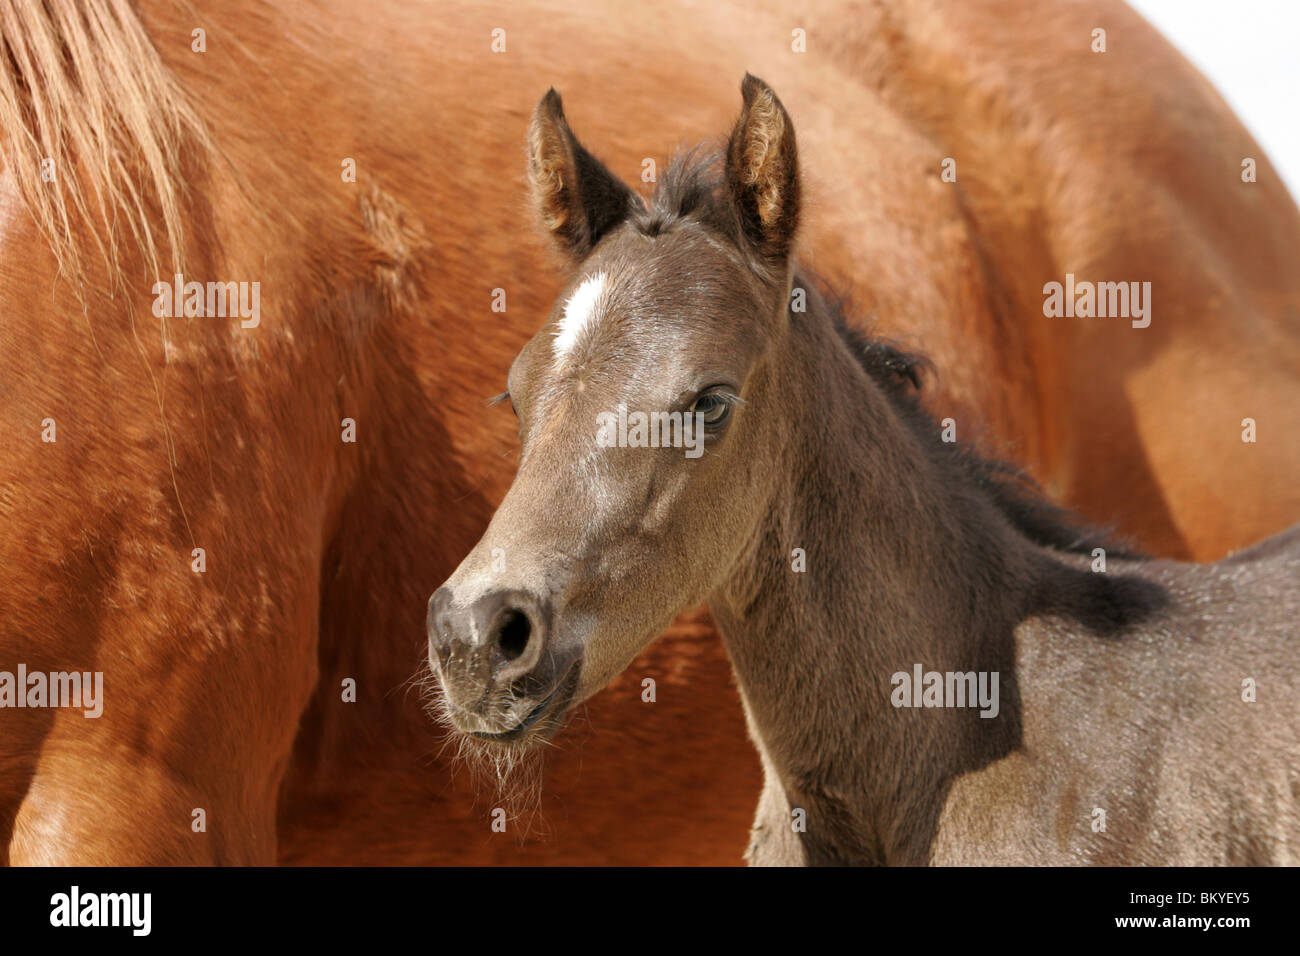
(1017, 496)
(81, 85)
(691, 188)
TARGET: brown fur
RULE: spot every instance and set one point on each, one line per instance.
(224, 689)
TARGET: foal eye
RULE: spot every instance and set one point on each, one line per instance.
(713, 407)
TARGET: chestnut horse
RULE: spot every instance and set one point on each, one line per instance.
(765, 457)
(184, 509)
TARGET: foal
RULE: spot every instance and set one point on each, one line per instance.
(936, 667)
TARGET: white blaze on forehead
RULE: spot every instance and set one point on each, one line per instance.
(579, 313)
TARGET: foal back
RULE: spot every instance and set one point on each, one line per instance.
(1177, 742)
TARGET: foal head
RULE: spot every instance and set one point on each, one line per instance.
(675, 311)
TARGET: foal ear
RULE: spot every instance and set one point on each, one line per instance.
(580, 200)
(763, 171)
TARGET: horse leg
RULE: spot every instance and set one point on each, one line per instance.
(184, 763)
(773, 840)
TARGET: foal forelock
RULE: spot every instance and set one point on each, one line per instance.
(84, 92)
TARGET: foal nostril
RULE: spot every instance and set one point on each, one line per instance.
(513, 624)
(513, 633)
(503, 632)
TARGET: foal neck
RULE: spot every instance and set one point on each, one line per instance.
(902, 568)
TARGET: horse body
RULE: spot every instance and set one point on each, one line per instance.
(1100, 217)
(1132, 692)
(1146, 715)
(1141, 749)
(224, 687)
(1159, 730)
